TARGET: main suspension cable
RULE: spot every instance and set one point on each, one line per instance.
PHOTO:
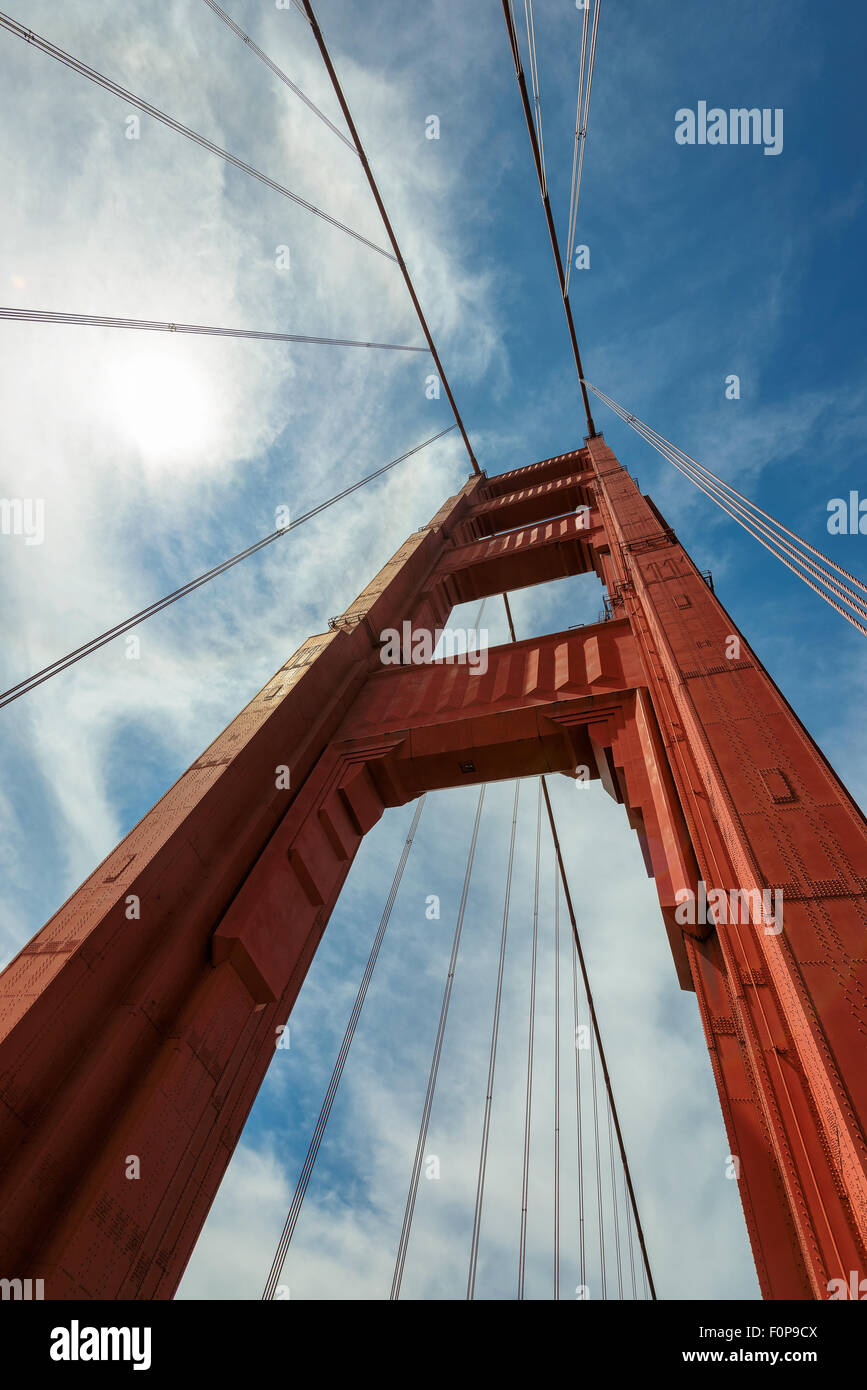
(63, 663)
(406, 1229)
(752, 523)
(492, 1060)
(657, 439)
(154, 326)
(528, 1101)
(556, 1081)
(45, 46)
(278, 72)
(374, 188)
(549, 217)
(749, 516)
(339, 1066)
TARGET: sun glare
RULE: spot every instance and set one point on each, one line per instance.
(167, 406)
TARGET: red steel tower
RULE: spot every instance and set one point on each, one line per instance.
(140, 1021)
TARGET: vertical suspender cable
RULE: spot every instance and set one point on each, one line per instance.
(629, 1236)
(339, 1066)
(614, 1203)
(747, 516)
(600, 1211)
(556, 1080)
(596, 1032)
(492, 1061)
(337, 1073)
(400, 1261)
(578, 1050)
(528, 1107)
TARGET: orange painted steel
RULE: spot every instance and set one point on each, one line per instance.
(151, 1036)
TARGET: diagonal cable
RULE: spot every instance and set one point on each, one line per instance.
(76, 65)
(386, 222)
(583, 140)
(14, 315)
(278, 72)
(63, 663)
(546, 204)
(570, 240)
(534, 78)
(654, 436)
(749, 516)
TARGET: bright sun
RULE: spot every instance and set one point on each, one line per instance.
(166, 404)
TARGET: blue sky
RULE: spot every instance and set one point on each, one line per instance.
(158, 457)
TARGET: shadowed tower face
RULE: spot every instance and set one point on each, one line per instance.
(141, 1020)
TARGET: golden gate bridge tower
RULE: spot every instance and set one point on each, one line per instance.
(168, 1024)
(152, 1037)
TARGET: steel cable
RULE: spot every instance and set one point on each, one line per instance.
(63, 663)
(744, 513)
(14, 315)
(339, 1066)
(528, 1102)
(629, 1239)
(278, 72)
(570, 239)
(653, 436)
(590, 66)
(615, 1206)
(492, 1061)
(534, 78)
(21, 31)
(556, 1079)
(600, 1210)
(596, 1033)
(406, 1229)
(386, 222)
(578, 1050)
(546, 204)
